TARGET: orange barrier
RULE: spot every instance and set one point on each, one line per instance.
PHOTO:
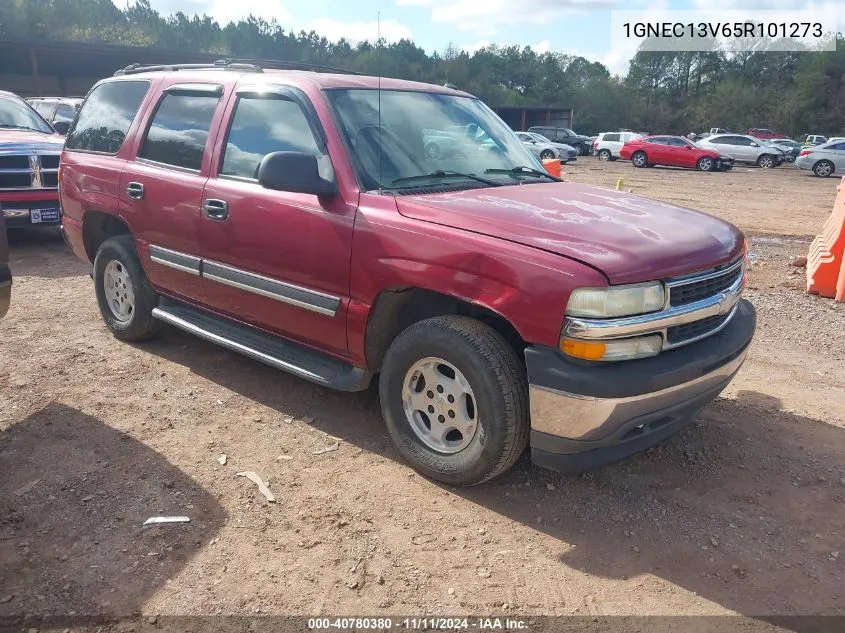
(552, 166)
(825, 271)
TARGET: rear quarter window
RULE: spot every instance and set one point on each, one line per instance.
(106, 116)
(611, 137)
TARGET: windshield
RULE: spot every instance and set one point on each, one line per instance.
(15, 113)
(425, 133)
(539, 137)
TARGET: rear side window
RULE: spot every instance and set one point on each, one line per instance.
(837, 146)
(262, 126)
(179, 130)
(64, 112)
(106, 116)
(611, 137)
(44, 109)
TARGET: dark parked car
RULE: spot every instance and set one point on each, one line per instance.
(566, 136)
(57, 111)
(5, 271)
(285, 215)
(792, 148)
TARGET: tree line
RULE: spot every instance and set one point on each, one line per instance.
(665, 92)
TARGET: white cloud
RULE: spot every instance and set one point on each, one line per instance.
(541, 47)
(224, 11)
(472, 48)
(391, 31)
(486, 18)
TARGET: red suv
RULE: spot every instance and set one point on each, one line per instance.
(296, 218)
(764, 133)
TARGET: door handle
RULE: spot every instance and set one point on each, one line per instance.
(135, 190)
(216, 209)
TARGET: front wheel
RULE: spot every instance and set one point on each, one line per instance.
(705, 163)
(547, 154)
(823, 168)
(639, 159)
(605, 154)
(124, 295)
(455, 399)
(766, 161)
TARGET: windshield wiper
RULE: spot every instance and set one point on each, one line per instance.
(440, 173)
(523, 170)
(9, 126)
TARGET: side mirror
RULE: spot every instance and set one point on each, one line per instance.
(754, 145)
(688, 147)
(296, 172)
(62, 127)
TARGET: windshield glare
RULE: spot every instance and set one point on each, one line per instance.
(422, 133)
(14, 113)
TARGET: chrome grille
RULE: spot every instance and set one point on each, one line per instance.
(29, 171)
(696, 329)
(691, 289)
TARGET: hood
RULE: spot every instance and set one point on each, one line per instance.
(629, 238)
(26, 141)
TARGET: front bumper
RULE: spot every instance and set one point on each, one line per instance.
(21, 215)
(585, 415)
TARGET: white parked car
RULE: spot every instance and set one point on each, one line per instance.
(607, 144)
(745, 149)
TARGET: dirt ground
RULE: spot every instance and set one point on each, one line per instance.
(742, 513)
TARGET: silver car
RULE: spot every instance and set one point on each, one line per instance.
(544, 149)
(745, 149)
(823, 160)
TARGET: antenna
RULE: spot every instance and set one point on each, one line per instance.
(378, 73)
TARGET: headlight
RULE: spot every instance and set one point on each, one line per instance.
(615, 301)
(615, 349)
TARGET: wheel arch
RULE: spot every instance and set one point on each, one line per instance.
(394, 309)
(97, 227)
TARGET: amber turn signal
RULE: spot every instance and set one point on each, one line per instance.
(588, 350)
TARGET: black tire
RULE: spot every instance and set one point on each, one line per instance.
(639, 159)
(823, 168)
(583, 150)
(140, 325)
(547, 154)
(705, 163)
(499, 384)
(766, 161)
(605, 154)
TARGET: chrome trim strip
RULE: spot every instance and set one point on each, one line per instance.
(165, 316)
(174, 259)
(656, 322)
(15, 213)
(274, 289)
(580, 417)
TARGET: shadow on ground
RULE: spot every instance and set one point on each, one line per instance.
(74, 493)
(43, 253)
(745, 508)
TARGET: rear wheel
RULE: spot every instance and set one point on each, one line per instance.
(455, 399)
(605, 154)
(547, 154)
(766, 161)
(639, 159)
(823, 168)
(705, 163)
(124, 295)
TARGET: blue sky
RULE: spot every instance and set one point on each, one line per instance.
(579, 27)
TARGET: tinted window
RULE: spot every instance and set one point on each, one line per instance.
(262, 126)
(838, 146)
(524, 137)
(611, 137)
(179, 130)
(64, 112)
(106, 116)
(676, 142)
(659, 140)
(741, 140)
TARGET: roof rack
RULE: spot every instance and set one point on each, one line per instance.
(242, 65)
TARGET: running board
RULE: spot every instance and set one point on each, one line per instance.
(295, 359)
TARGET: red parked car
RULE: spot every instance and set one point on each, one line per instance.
(673, 151)
(295, 217)
(764, 133)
